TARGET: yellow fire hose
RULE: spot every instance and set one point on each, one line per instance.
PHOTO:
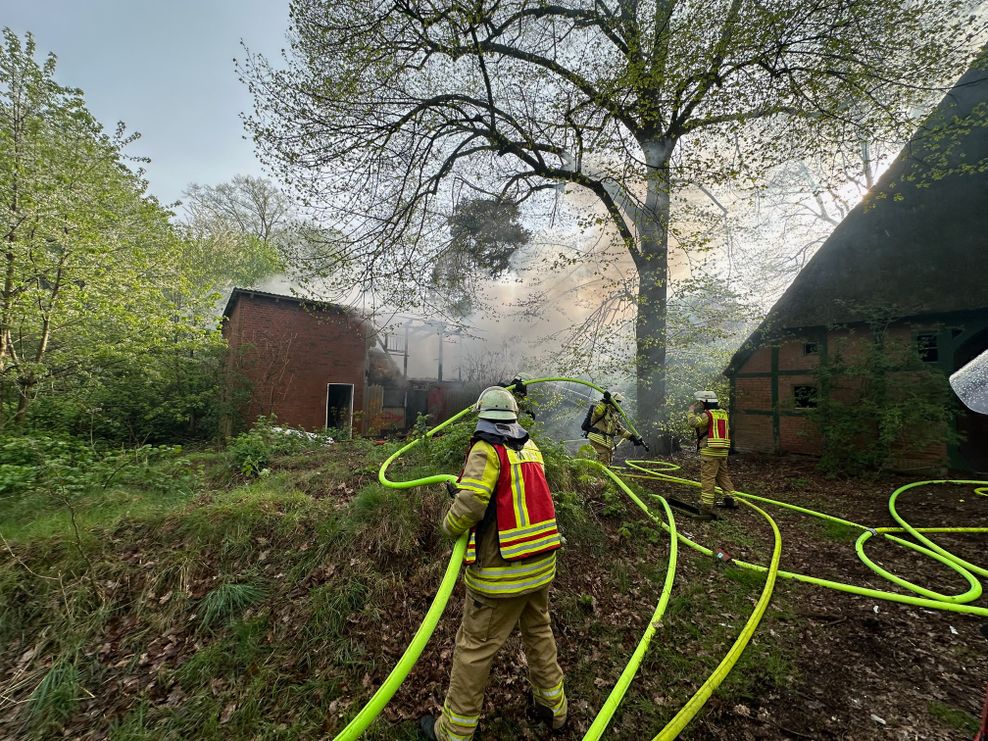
(659, 471)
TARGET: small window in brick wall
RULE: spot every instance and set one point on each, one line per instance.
(926, 344)
(804, 396)
(811, 348)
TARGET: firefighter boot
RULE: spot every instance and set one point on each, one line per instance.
(427, 725)
(543, 714)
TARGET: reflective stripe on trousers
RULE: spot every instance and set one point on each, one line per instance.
(487, 624)
(713, 470)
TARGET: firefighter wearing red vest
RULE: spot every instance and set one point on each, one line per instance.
(503, 501)
(713, 440)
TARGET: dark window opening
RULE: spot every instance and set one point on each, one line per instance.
(926, 344)
(804, 396)
(811, 348)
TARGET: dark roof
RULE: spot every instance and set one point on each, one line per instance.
(236, 293)
(918, 243)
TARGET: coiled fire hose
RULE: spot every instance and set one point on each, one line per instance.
(659, 471)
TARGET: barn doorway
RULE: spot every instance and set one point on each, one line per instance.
(339, 406)
(973, 427)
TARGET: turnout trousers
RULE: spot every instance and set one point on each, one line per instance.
(487, 623)
(713, 470)
(604, 452)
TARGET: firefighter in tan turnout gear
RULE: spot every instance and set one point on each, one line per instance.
(713, 440)
(503, 501)
(605, 431)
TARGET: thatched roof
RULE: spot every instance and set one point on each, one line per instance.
(918, 244)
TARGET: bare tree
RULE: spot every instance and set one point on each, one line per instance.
(246, 205)
(389, 111)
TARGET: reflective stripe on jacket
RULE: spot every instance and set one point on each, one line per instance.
(512, 538)
(607, 425)
(714, 433)
(526, 517)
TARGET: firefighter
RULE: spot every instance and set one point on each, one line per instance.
(605, 426)
(713, 441)
(503, 500)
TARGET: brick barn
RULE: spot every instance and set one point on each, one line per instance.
(311, 364)
(915, 255)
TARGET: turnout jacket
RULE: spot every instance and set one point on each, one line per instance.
(503, 500)
(606, 424)
(713, 436)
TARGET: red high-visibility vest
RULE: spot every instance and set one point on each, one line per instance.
(526, 516)
(718, 430)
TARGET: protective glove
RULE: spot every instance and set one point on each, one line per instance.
(520, 389)
(639, 442)
(607, 396)
(451, 490)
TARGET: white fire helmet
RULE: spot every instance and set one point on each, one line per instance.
(708, 396)
(970, 384)
(497, 403)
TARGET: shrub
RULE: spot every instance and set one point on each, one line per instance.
(67, 466)
(252, 451)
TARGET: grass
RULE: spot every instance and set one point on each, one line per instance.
(278, 591)
(953, 717)
(54, 699)
(227, 601)
(332, 604)
(33, 516)
(272, 642)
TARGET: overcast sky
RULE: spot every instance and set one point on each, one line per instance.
(165, 67)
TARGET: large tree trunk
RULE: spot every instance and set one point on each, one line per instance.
(652, 262)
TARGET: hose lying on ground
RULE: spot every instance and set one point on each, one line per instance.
(660, 471)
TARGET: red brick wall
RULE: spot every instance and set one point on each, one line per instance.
(759, 361)
(290, 353)
(787, 386)
(753, 393)
(752, 432)
(792, 355)
(797, 434)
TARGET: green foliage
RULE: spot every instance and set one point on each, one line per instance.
(879, 406)
(101, 316)
(169, 393)
(227, 601)
(485, 233)
(55, 698)
(41, 463)
(448, 449)
(252, 451)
